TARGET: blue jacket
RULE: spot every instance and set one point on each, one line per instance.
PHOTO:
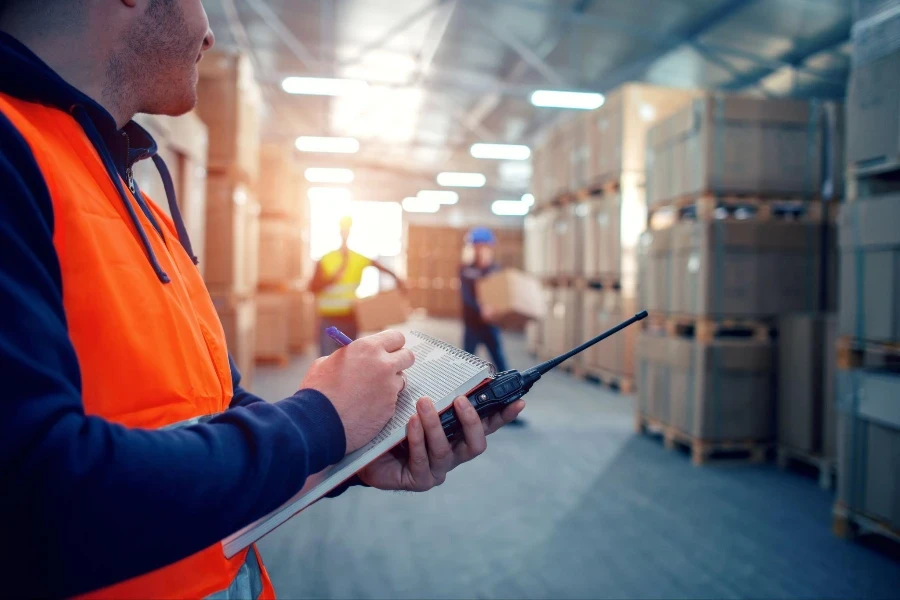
(274, 445)
(468, 275)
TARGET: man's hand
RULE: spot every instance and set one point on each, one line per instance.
(430, 456)
(362, 381)
(487, 313)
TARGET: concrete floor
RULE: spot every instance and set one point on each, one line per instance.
(573, 506)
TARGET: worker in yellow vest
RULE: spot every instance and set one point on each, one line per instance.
(338, 275)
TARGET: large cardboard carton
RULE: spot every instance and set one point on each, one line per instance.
(829, 424)
(869, 241)
(232, 237)
(273, 324)
(564, 241)
(602, 310)
(746, 268)
(302, 326)
(869, 444)
(736, 144)
(229, 102)
(873, 94)
(723, 390)
(617, 131)
(382, 310)
(804, 392)
(653, 372)
(238, 317)
(655, 271)
(514, 297)
(537, 243)
(277, 244)
(281, 185)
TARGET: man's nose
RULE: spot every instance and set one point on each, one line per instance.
(209, 41)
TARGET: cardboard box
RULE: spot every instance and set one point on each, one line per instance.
(655, 272)
(617, 131)
(723, 390)
(537, 243)
(564, 242)
(302, 330)
(869, 444)
(653, 372)
(514, 296)
(804, 392)
(277, 245)
(602, 310)
(382, 310)
(736, 144)
(280, 186)
(238, 317)
(561, 322)
(229, 101)
(232, 237)
(533, 332)
(869, 241)
(873, 94)
(273, 325)
(829, 424)
(748, 269)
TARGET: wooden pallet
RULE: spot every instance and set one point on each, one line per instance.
(706, 329)
(708, 207)
(277, 288)
(617, 382)
(560, 281)
(787, 456)
(599, 282)
(849, 524)
(883, 165)
(853, 353)
(704, 452)
(280, 361)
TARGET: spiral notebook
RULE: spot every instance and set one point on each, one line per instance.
(441, 372)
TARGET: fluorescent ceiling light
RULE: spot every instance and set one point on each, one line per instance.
(471, 180)
(501, 151)
(323, 86)
(557, 99)
(327, 175)
(421, 205)
(328, 194)
(338, 145)
(507, 208)
(528, 199)
(441, 196)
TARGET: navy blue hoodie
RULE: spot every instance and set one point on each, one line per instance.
(84, 502)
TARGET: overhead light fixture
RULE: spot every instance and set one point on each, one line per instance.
(323, 86)
(335, 145)
(509, 208)
(420, 205)
(468, 180)
(329, 194)
(501, 151)
(440, 196)
(557, 99)
(328, 175)
(528, 199)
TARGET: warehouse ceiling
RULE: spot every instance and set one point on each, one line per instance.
(444, 74)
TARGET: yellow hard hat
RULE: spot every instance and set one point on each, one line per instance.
(346, 222)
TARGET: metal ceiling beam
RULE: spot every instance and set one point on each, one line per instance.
(286, 36)
(795, 58)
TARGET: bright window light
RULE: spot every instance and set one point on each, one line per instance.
(528, 199)
(501, 151)
(337, 145)
(377, 231)
(421, 205)
(442, 196)
(326, 194)
(322, 86)
(469, 180)
(508, 208)
(556, 99)
(326, 175)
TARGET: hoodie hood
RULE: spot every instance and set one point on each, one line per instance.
(25, 76)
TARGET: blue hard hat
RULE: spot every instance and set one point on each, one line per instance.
(481, 235)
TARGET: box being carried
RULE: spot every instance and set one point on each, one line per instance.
(382, 310)
(514, 296)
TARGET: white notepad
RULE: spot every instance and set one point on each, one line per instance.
(441, 372)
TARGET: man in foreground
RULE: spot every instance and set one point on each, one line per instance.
(128, 447)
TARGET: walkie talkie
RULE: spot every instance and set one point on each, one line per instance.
(504, 388)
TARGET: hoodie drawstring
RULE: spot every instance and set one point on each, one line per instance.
(83, 119)
(173, 206)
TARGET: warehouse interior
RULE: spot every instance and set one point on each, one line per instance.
(732, 167)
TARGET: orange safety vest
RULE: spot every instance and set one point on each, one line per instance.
(166, 341)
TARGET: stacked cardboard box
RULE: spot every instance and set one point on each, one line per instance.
(603, 309)
(229, 105)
